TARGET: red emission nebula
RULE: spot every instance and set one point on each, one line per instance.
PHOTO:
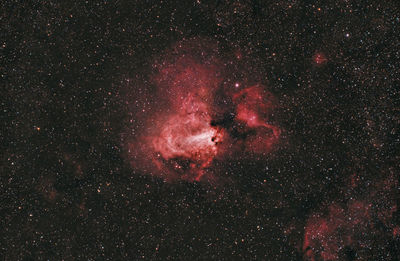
(200, 117)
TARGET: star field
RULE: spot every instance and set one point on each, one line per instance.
(202, 130)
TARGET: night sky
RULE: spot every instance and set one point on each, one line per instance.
(200, 130)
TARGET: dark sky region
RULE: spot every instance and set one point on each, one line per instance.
(200, 130)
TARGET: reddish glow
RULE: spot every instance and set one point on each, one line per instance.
(343, 224)
(186, 137)
(319, 58)
(190, 137)
(253, 106)
(188, 85)
(179, 141)
(184, 142)
(322, 233)
(396, 231)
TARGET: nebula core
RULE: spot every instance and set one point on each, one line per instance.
(200, 116)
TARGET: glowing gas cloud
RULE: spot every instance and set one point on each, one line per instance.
(188, 127)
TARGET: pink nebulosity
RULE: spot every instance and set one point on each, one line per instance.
(185, 142)
(253, 105)
(319, 58)
(190, 137)
(396, 231)
(186, 136)
(181, 140)
(188, 85)
(323, 233)
(351, 224)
